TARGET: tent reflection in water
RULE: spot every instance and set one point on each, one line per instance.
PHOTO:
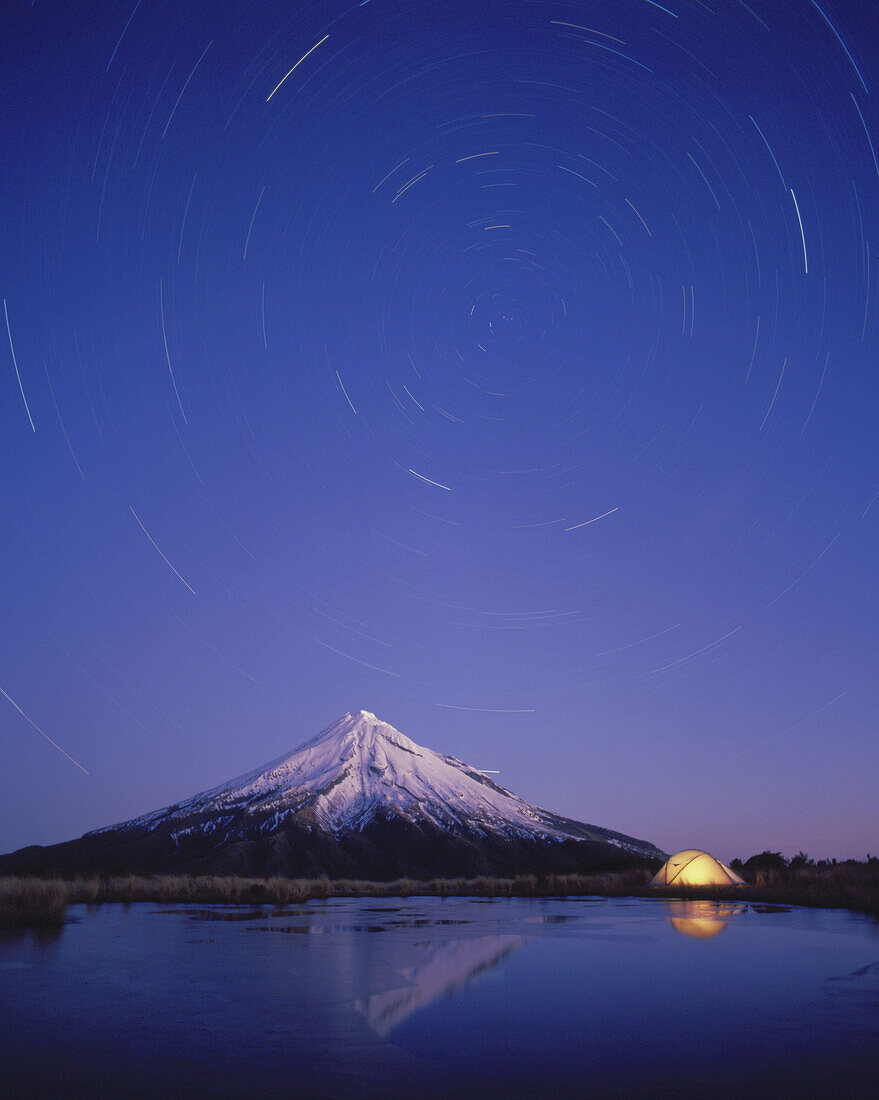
(693, 867)
(700, 919)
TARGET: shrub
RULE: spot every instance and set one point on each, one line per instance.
(765, 867)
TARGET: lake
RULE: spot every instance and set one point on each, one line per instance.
(443, 997)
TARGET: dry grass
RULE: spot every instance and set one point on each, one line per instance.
(34, 902)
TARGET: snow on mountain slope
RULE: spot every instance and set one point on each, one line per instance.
(356, 769)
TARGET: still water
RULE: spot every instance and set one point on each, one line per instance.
(443, 997)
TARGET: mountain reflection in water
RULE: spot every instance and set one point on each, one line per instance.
(701, 919)
(457, 997)
(445, 968)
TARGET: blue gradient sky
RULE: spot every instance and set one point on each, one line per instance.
(508, 370)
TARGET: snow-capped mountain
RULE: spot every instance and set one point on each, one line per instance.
(359, 798)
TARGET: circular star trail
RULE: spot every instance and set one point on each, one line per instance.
(507, 369)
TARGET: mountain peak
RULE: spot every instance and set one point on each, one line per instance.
(360, 769)
(359, 719)
(358, 786)
(360, 731)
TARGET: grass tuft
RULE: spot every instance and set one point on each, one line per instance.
(33, 902)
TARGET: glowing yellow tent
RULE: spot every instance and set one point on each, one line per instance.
(695, 868)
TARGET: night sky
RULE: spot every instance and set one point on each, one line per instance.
(507, 369)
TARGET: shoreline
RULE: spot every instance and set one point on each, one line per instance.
(31, 902)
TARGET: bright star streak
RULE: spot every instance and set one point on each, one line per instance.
(15, 364)
(43, 733)
(296, 66)
(161, 555)
(594, 519)
(347, 398)
(802, 234)
(429, 481)
(486, 710)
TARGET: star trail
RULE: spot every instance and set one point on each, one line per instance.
(509, 370)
